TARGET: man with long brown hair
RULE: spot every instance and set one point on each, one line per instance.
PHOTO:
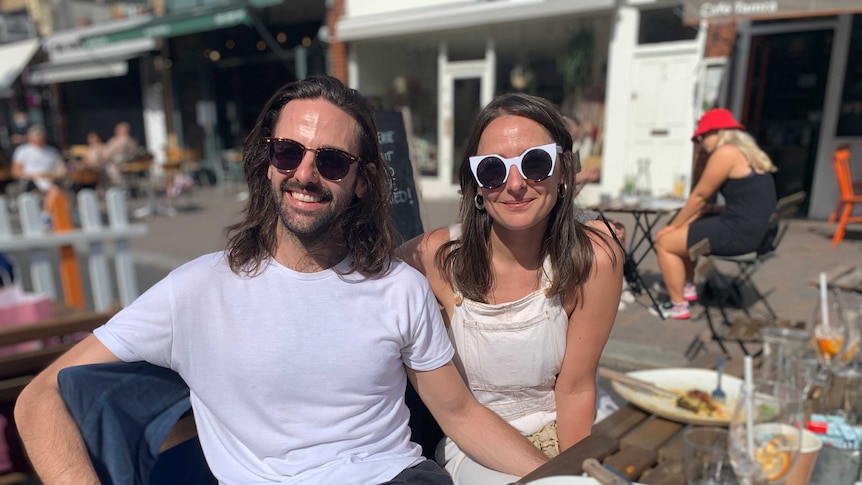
(298, 340)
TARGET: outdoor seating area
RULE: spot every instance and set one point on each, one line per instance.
(153, 187)
(618, 432)
(722, 292)
(60, 295)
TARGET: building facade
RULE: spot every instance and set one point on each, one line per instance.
(637, 73)
(442, 60)
(190, 76)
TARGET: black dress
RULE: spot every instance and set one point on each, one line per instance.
(741, 228)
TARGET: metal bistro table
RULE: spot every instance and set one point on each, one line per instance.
(646, 214)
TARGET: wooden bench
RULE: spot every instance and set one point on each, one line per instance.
(16, 370)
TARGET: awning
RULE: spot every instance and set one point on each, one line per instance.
(50, 73)
(92, 63)
(191, 22)
(460, 16)
(111, 52)
(733, 10)
(13, 58)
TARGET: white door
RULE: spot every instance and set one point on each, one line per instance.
(662, 117)
(465, 88)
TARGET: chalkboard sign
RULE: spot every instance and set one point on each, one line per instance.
(405, 216)
(393, 145)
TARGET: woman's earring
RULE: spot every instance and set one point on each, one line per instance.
(561, 190)
(479, 203)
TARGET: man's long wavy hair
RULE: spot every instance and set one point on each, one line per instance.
(366, 225)
(465, 262)
(749, 148)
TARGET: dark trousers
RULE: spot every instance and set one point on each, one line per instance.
(426, 473)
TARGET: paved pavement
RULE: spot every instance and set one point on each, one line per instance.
(638, 339)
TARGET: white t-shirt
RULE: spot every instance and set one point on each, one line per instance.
(294, 377)
(36, 160)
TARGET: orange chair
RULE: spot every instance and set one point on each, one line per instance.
(847, 198)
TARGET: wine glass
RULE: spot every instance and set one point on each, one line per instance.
(774, 418)
(705, 459)
(829, 332)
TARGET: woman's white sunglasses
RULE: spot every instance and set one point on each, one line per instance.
(536, 163)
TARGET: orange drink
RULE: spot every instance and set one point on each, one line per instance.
(829, 346)
(775, 461)
(829, 342)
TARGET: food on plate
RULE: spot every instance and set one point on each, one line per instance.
(701, 403)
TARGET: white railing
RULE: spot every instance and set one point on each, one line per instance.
(40, 245)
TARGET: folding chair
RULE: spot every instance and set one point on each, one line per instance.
(847, 197)
(724, 292)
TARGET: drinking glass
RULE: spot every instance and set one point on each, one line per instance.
(782, 359)
(848, 361)
(775, 417)
(829, 333)
(705, 458)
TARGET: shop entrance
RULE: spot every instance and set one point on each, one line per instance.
(783, 105)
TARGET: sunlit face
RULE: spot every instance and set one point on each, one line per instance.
(518, 204)
(309, 202)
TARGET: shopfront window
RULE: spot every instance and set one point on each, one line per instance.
(850, 110)
(402, 75)
(663, 25)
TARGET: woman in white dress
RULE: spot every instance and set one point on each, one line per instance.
(529, 289)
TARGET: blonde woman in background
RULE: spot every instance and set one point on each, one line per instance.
(742, 173)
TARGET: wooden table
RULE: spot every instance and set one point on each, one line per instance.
(647, 448)
(640, 445)
(16, 370)
(643, 447)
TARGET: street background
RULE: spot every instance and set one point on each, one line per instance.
(638, 339)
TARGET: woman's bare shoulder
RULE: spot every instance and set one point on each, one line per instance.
(727, 154)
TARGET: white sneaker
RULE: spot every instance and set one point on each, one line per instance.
(675, 311)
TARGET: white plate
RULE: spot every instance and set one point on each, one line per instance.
(566, 480)
(682, 380)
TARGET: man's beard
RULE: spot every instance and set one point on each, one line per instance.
(312, 229)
